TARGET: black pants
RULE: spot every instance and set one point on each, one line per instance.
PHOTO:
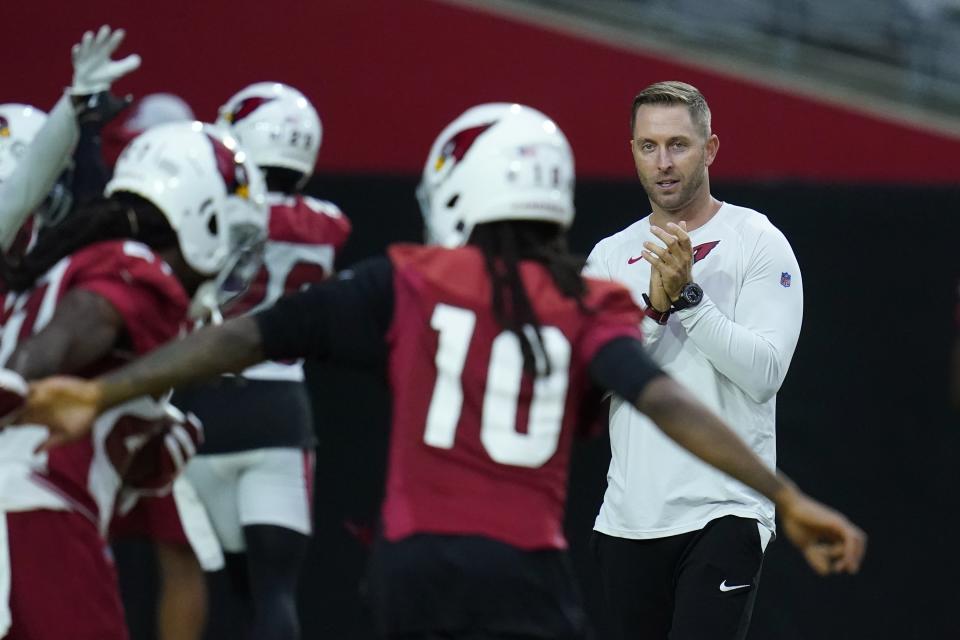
(693, 586)
(441, 587)
(467, 635)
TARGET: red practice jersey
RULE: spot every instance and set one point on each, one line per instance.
(141, 287)
(304, 236)
(479, 446)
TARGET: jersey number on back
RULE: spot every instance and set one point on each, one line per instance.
(498, 431)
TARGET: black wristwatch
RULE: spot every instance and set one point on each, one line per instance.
(690, 296)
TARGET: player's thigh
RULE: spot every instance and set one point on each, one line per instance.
(718, 581)
(62, 581)
(215, 479)
(451, 585)
(276, 489)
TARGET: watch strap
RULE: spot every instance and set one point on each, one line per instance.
(660, 317)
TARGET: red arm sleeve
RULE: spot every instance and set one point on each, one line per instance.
(613, 315)
(140, 286)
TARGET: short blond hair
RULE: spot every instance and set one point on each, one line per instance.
(674, 92)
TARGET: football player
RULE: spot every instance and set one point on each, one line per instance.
(112, 282)
(35, 145)
(174, 523)
(254, 472)
(495, 348)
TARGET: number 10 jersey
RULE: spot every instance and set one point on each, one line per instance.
(478, 445)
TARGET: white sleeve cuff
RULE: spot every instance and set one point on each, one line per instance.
(689, 317)
(651, 330)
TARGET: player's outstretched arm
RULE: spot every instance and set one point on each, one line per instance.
(830, 542)
(69, 405)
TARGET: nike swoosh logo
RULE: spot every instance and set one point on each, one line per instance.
(724, 587)
(632, 260)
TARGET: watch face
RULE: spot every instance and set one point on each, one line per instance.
(692, 293)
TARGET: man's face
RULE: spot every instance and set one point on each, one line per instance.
(671, 155)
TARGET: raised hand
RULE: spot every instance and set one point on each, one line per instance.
(659, 299)
(93, 69)
(674, 260)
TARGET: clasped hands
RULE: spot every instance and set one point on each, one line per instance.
(671, 266)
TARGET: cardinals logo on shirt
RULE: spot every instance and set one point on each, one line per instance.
(457, 146)
(702, 250)
(4, 127)
(232, 171)
(244, 108)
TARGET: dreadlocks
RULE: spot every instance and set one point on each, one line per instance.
(504, 244)
(124, 215)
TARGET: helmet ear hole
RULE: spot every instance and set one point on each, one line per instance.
(460, 226)
(212, 225)
(452, 202)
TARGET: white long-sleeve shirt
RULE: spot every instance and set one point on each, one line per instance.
(732, 351)
(38, 170)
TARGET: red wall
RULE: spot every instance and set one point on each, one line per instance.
(387, 75)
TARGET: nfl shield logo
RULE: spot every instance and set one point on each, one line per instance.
(785, 279)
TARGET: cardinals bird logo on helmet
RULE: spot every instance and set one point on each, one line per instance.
(497, 161)
(454, 150)
(277, 126)
(244, 108)
(231, 169)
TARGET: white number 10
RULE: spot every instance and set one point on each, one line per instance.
(498, 431)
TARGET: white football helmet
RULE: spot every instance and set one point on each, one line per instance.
(157, 108)
(212, 195)
(496, 162)
(276, 124)
(19, 124)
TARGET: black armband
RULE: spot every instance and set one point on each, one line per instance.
(344, 319)
(623, 367)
